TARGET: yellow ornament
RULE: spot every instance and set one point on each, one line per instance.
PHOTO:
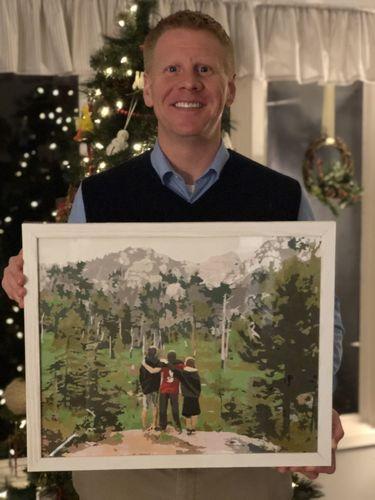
(84, 123)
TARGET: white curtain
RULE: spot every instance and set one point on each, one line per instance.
(273, 42)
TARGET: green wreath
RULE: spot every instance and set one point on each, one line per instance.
(332, 183)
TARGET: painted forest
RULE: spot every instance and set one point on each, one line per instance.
(251, 323)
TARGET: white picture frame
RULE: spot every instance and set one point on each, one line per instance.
(242, 259)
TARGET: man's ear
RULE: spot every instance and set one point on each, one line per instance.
(147, 94)
(231, 91)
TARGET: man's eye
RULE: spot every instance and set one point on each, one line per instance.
(172, 69)
(203, 69)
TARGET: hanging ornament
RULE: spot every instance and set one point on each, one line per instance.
(15, 396)
(138, 83)
(120, 142)
(84, 124)
(331, 181)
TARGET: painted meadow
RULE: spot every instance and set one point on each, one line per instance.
(249, 319)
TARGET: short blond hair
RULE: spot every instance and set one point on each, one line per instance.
(190, 20)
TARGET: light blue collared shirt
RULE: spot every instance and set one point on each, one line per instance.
(172, 180)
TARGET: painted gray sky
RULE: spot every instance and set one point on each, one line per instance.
(63, 250)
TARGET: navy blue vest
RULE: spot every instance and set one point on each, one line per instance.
(245, 191)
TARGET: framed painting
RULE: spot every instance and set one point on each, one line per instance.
(179, 345)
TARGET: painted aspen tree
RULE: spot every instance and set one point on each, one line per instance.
(223, 332)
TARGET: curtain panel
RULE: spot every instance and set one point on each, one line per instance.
(301, 42)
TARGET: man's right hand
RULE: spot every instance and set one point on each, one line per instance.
(14, 280)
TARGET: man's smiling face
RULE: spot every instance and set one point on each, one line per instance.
(188, 85)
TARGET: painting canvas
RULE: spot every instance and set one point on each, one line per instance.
(179, 345)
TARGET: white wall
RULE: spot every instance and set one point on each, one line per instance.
(354, 478)
(249, 119)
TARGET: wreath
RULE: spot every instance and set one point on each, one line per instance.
(332, 183)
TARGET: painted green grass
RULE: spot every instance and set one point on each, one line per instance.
(120, 384)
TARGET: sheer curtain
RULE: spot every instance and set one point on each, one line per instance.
(272, 42)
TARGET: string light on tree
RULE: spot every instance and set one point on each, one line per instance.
(104, 111)
(124, 60)
(55, 92)
(134, 8)
(121, 23)
(40, 90)
(108, 71)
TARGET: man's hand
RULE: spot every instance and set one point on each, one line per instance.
(313, 472)
(14, 280)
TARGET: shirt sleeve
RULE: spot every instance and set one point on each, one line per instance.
(305, 213)
(78, 214)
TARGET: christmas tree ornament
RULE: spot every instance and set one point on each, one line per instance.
(138, 83)
(15, 396)
(119, 143)
(84, 124)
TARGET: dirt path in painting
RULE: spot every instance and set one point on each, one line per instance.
(137, 442)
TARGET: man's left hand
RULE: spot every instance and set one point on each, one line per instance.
(313, 472)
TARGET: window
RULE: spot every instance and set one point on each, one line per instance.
(294, 120)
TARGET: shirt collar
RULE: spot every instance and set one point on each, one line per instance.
(165, 170)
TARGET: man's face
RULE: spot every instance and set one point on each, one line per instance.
(187, 84)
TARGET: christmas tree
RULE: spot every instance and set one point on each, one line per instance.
(37, 151)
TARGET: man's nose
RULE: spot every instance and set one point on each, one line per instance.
(191, 80)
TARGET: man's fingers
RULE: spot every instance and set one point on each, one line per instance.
(14, 280)
(337, 429)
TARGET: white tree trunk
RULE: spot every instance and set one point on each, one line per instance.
(131, 341)
(120, 328)
(223, 331)
(42, 328)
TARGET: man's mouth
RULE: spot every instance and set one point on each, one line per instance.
(188, 105)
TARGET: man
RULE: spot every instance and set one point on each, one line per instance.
(150, 383)
(189, 176)
(169, 390)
